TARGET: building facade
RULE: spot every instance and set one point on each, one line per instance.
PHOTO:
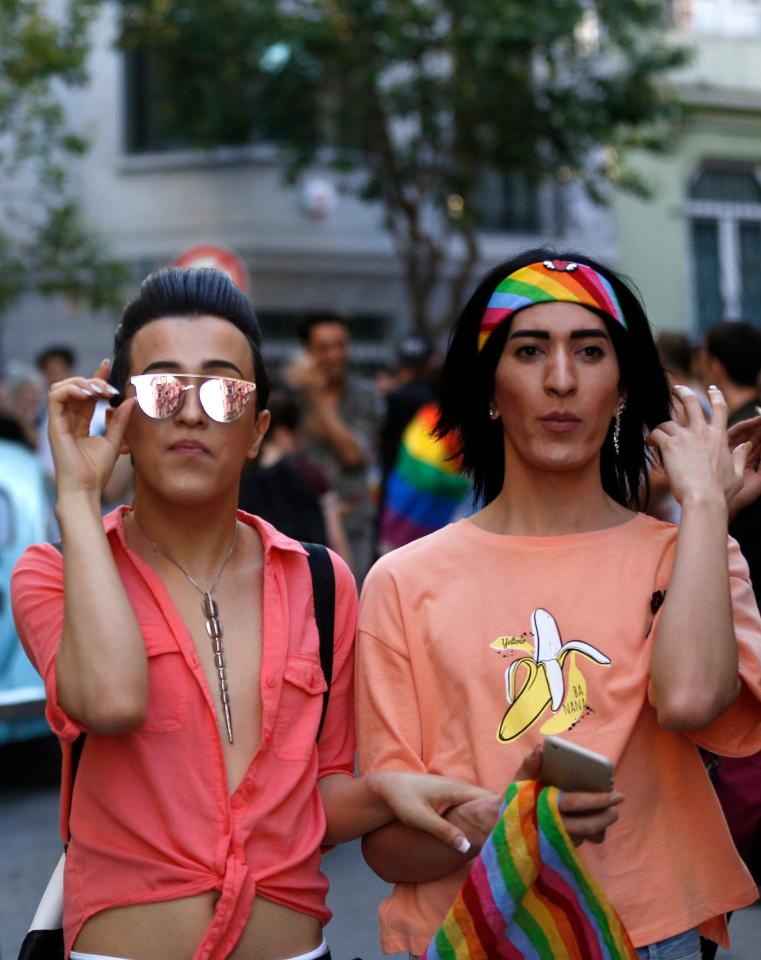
(307, 247)
(694, 248)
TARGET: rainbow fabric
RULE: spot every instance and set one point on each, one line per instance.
(528, 895)
(425, 487)
(550, 281)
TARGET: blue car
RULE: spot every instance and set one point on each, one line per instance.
(25, 517)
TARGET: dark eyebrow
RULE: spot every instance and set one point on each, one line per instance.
(594, 332)
(171, 365)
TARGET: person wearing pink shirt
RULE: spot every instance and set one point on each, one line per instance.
(179, 635)
(559, 609)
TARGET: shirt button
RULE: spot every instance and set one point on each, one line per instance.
(271, 682)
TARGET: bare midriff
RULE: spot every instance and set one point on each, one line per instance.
(173, 929)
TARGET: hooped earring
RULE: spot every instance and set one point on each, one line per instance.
(617, 428)
(493, 412)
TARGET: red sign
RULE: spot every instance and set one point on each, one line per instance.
(210, 255)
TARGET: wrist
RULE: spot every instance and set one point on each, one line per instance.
(707, 501)
(376, 787)
(374, 784)
(74, 505)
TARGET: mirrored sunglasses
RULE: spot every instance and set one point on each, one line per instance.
(160, 395)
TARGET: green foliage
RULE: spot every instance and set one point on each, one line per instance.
(43, 245)
(419, 99)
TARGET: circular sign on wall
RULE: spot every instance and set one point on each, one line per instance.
(220, 258)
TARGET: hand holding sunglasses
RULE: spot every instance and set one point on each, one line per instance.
(160, 395)
(84, 461)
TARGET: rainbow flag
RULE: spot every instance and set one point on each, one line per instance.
(528, 895)
(425, 487)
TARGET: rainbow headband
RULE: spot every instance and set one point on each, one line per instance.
(550, 281)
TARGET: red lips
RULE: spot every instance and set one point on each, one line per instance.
(560, 421)
(561, 416)
(189, 447)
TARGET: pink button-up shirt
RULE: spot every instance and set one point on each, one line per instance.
(152, 818)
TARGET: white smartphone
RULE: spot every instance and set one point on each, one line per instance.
(571, 767)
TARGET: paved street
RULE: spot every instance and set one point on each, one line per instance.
(29, 848)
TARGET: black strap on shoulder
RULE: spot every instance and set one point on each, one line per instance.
(76, 753)
(324, 590)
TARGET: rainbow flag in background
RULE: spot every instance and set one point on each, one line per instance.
(528, 895)
(425, 488)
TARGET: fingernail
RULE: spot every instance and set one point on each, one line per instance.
(713, 387)
(758, 410)
(112, 390)
(105, 361)
(87, 391)
(462, 844)
(616, 797)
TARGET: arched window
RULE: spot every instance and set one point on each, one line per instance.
(724, 209)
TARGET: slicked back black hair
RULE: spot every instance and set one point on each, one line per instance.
(174, 292)
(467, 386)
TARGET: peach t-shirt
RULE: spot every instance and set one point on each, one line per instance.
(152, 817)
(451, 630)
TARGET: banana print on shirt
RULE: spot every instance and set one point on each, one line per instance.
(534, 683)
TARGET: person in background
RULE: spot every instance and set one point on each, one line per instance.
(10, 428)
(55, 363)
(426, 488)
(26, 392)
(342, 418)
(675, 352)
(413, 389)
(384, 378)
(730, 358)
(676, 355)
(284, 488)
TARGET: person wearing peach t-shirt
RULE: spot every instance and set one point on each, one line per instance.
(559, 609)
(179, 635)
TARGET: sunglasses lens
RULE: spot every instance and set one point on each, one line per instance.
(158, 396)
(224, 399)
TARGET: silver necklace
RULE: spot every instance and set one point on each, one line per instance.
(211, 612)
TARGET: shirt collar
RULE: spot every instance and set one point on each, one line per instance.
(272, 538)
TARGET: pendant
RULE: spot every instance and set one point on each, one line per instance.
(214, 630)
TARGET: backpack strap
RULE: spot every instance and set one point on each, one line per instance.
(324, 591)
(76, 753)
